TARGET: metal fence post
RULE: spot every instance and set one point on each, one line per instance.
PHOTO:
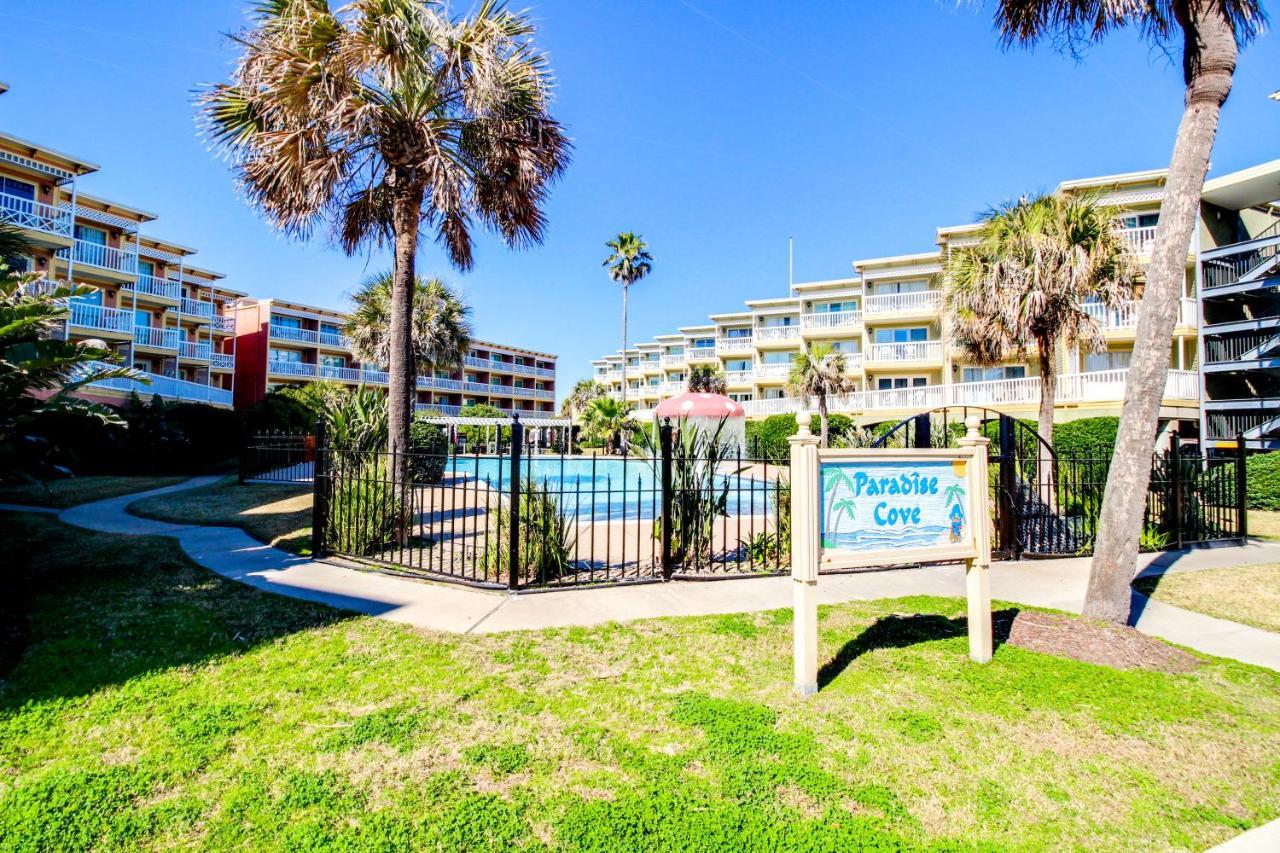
(1006, 505)
(664, 441)
(1242, 487)
(1175, 472)
(513, 555)
(319, 491)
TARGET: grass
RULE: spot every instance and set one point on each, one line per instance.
(77, 490)
(279, 515)
(1246, 594)
(159, 705)
(1264, 524)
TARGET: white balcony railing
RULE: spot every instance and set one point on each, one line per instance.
(773, 371)
(331, 339)
(104, 257)
(440, 408)
(651, 365)
(671, 389)
(673, 360)
(777, 334)
(831, 320)
(288, 333)
(156, 337)
(166, 386)
(153, 286)
(1125, 315)
(440, 383)
(915, 351)
(903, 303)
(196, 307)
(1139, 240)
(375, 377)
(90, 316)
(341, 374)
(739, 377)
(223, 361)
(26, 213)
(195, 351)
(700, 353)
(223, 323)
(290, 368)
(734, 344)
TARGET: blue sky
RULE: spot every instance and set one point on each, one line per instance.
(717, 129)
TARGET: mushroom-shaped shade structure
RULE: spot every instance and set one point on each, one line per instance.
(705, 412)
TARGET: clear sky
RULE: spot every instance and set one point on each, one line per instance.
(714, 128)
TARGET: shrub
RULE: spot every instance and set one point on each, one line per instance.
(1094, 438)
(838, 425)
(1262, 475)
(430, 451)
(364, 510)
(280, 412)
(547, 537)
(767, 439)
(474, 435)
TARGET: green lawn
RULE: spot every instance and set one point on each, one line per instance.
(1245, 594)
(77, 490)
(279, 515)
(161, 706)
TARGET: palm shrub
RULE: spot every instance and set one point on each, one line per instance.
(819, 372)
(547, 537)
(608, 420)
(440, 332)
(699, 488)
(356, 422)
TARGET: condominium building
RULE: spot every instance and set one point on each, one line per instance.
(888, 320)
(283, 343)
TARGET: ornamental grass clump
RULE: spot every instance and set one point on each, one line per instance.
(365, 509)
(547, 539)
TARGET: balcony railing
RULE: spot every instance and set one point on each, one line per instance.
(104, 257)
(901, 303)
(156, 337)
(341, 374)
(153, 286)
(700, 353)
(441, 408)
(332, 339)
(442, 383)
(1242, 262)
(670, 389)
(1125, 315)
(290, 368)
(223, 361)
(775, 334)
(739, 377)
(651, 365)
(165, 386)
(743, 344)
(673, 360)
(223, 323)
(288, 333)
(90, 316)
(773, 371)
(196, 307)
(195, 351)
(375, 377)
(915, 351)
(825, 320)
(36, 216)
(1139, 240)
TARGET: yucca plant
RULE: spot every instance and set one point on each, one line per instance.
(547, 539)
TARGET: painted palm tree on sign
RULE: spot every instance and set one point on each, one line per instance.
(382, 117)
(628, 262)
(818, 372)
(440, 334)
(1210, 34)
(1027, 283)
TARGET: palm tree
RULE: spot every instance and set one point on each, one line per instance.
(441, 324)
(628, 262)
(1210, 33)
(819, 372)
(584, 391)
(381, 117)
(1026, 282)
(707, 379)
(605, 419)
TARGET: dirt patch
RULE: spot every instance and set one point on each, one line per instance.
(1096, 642)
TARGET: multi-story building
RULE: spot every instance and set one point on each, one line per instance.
(283, 343)
(888, 320)
(1240, 297)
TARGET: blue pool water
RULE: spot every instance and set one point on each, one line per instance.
(606, 488)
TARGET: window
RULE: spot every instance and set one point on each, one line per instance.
(286, 322)
(96, 236)
(992, 374)
(915, 286)
(333, 361)
(704, 343)
(835, 307)
(20, 263)
(890, 383)
(21, 189)
(330, 329)
(147, 268)
(142, 318)
(741, 398)
(846, 346)
(902, 336)
(777, 322)
(1140, 220)
(777, 357)
(675, 377)
(737, 333)
(675, 350)
(291, 356)
(654, 382)
(1113, 360)
(737, 364)
(93, 297)
(774, 393)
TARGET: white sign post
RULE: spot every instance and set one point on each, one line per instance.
(878, 507)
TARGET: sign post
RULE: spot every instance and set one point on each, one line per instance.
(880, 507)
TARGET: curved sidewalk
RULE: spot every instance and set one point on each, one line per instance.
(1058, 584)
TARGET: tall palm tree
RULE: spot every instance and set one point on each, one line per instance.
(628, 262)
(1210, 33)
(707, 379)
(1025, 284)
(382, 117)
(819, 372)
(606, 419)
(584, 391)
(440, 334)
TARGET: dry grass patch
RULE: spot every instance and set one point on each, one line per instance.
(1246, 594)
(278, 515)
(1264, 524)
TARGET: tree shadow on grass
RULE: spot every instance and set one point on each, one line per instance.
(103, 609)
(895, 632)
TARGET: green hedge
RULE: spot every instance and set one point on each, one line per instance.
(1089, 437)
(1263, 479)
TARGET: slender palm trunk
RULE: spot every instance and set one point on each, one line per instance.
(624, 344)
(1209, 59)
(822, 413)
(402, 380)
(1044, 424)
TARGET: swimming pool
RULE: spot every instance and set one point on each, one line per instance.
(602, 488)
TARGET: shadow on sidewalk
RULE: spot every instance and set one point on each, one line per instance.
(895, 632)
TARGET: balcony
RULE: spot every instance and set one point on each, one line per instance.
(197, 308)
(164, 386)
(375, 377)
(439, 408)
(332, 339)
(739, 377)
(123, 262)
(156, 337)
(161, 288)
(1125, 315)
(290, 368)
(765, 335)
(195, 352)
(671, 389)
(703, 353)
(651, 365)
(35, 216)
(223, 361)
(673, 360)
(733, 345)
(1139, 240)
(775, 372)
(89, 316)
(899, 352)
(340, 374)
(507, 367)
(921, 301)
(441, 383)
(288, 333)
(223, 323)
(1241, 266)
(828, 321)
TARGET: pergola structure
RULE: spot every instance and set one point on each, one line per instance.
(553, 433)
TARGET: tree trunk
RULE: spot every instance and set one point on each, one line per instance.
(624, 344)
(822, 415)
(1209, 59)
(1045, 473)
(402, 381)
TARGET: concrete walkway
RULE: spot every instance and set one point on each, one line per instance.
(1058, 584)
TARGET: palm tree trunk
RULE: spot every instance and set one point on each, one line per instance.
(1046, 474)
(402, 381)
(822, 414)
(624, 344)
(1209, 59)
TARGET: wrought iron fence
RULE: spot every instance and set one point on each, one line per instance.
(278, 457)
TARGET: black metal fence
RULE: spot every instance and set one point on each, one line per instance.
(278, 457)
